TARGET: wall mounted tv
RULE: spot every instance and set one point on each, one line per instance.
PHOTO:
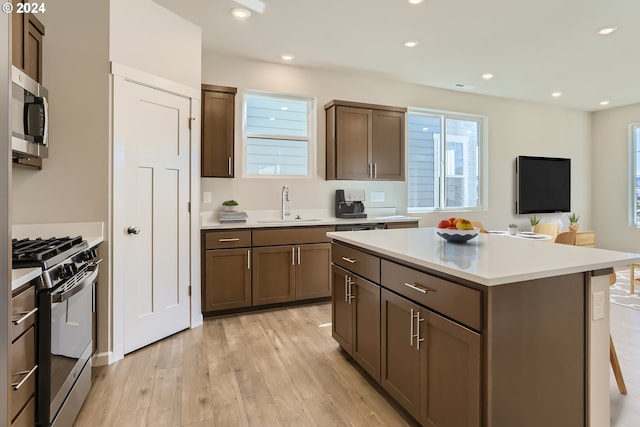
(543, 184)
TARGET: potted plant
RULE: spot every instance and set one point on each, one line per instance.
(534, 220)
(573, 221)
(513, 229)
(229, 205)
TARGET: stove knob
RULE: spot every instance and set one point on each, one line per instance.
(89, 255)
(66, 271)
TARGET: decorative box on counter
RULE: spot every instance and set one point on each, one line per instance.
(235, 216)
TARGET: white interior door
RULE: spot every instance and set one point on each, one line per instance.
(151, 211)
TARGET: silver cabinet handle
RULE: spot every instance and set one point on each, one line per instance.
(230, 239)
(248, 259)
(411, 330)
(350, 260)
(370, 170)
(415, 315)
(293, 255)
(229, 166)
(298, 255)
(417, 287)
(375, 170)
(351, 295)
(16, 386)
(25, 316)
(418, 339)
(346, 288)
(133, 230)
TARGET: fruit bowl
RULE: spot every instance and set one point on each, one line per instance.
(457, 236)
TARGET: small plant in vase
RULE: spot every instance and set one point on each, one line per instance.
(534, 220)
(513, 228)
(229, 205)
(573, 221)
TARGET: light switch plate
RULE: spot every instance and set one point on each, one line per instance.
(376, 196)
(206, 197)
(598, 306)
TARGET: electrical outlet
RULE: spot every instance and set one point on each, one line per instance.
(376, 196)
(206, 197)
(598, 306)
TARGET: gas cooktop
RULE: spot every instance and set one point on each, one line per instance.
(44, 253)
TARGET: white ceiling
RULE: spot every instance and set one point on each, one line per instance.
(532, 47)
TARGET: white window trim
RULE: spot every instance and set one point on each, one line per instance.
(312, 134)
(633, 143)
(483, 167)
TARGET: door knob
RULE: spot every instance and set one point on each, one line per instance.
(133, 230)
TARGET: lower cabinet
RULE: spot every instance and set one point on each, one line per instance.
(356, 318)
(227, 279)
(430, 364)
(291, 273)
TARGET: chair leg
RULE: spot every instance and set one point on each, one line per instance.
(617, 372)
(632, 279)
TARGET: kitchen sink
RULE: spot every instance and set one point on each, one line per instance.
(286, 220)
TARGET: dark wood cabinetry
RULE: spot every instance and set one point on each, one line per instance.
(365, 141)
(27, 34)
(22, 358)
(227, 270)
(217, 146)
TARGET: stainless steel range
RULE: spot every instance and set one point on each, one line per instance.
(65, 308)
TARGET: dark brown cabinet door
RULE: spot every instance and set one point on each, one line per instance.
(312, 272)
(366, 325)
(387, 152)
(273, 274)
(451, 387)
(227, 279)
(218, 107)
(33, 33)
(353, 143)
(401, 358)
(341, 313)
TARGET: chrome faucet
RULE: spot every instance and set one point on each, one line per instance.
(284, 197)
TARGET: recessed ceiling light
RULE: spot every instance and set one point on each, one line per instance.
(272, 118)
(287, 57)
(415, 1)
(425, 129)
(604, 102)
(487, 76)
(556, 94)
(240, 13)
(607, 30)
(411, 43)
(284, 108)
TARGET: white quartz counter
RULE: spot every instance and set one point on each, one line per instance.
(258, 219)
(92, 232)
(487, 259)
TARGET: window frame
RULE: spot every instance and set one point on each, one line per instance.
(634, 202)
(440, 162)
(310, 138)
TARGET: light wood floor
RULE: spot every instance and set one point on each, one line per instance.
(278, 368)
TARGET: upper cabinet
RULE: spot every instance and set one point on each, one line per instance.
(27, 43)
(365, 141)
(218, 109)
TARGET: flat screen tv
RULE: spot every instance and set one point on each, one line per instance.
(543, 184)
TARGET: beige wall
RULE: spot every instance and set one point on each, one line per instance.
(611, 178)
(515, 128)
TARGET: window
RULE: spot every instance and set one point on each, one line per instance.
(277, 133)
(635, 174)
(445, 158)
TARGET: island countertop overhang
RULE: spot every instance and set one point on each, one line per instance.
(488, 260)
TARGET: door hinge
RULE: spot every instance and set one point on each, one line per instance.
(189, 290)
(190, 120)
(189, 207)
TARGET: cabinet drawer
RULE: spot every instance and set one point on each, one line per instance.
(22, 356)
(23, 313)
(455, 301)
(227, 239)
(585, 238)
(291, 236)
(362, 264)
(27, 417)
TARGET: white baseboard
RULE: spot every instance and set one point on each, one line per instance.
(103, 359)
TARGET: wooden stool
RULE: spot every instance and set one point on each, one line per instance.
(632, 278)
(613, 356)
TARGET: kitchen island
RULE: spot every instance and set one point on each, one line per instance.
(494, 332)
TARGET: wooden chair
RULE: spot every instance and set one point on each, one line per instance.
(613, 356)
(632, 278)
(478, 225)
(548, 228)
(566, 238)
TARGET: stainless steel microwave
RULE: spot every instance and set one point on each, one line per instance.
(29, 116)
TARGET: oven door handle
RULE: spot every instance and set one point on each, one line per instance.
(63, 296)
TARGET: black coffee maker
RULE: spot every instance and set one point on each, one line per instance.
(349, 204)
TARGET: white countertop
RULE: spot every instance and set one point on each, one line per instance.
(487, 259)
(311, 217)
(92, 232)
